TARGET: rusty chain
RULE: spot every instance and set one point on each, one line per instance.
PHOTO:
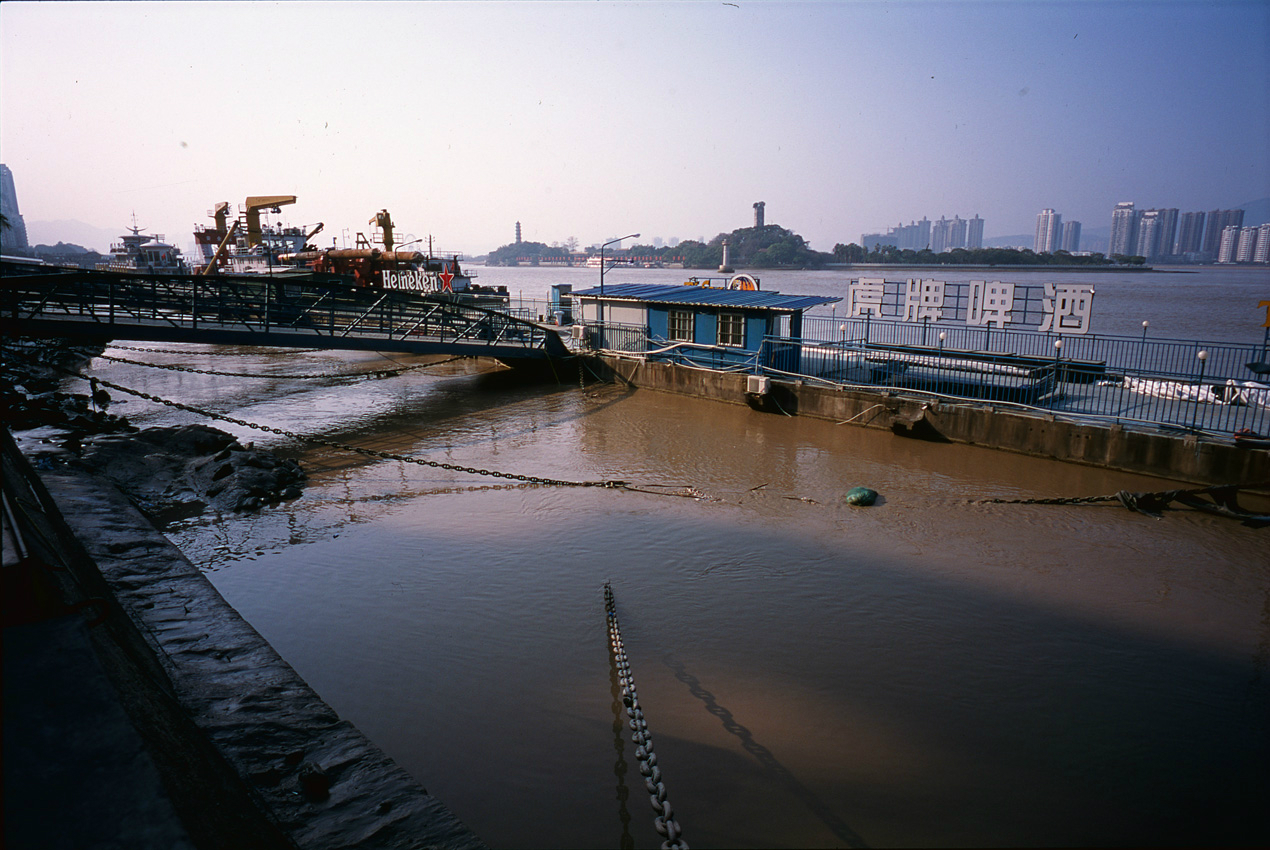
(665, 822)
(206, 353)
(1114, 497)
(378, 373)
(318, 441)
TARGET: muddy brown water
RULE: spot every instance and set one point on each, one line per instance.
(927, 671)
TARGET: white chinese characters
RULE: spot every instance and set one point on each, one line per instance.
(1067, 308)
(923, 299)
(864, 296)
(990, 303)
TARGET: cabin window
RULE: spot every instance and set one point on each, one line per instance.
(732, 329)
(679, 326)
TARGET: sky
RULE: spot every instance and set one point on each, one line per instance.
(594, 120)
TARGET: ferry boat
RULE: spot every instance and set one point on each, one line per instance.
(143, 252)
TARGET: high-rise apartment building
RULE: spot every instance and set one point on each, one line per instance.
(1247, 248)
(974, 232)
(914, 236)
(1049, 232)
(1190, 234)
(1262, 252)
(1168, 232)
(1218, 221)
(1156, 229)
(940, 231)
(1228, 244)
(1071, 237)
(14, 237)
(938, 236)
(1148, 242)
(1124, 229)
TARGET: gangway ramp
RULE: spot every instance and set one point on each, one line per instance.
(285, 310)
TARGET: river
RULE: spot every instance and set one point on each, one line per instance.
(1208, 303)
(929, 671)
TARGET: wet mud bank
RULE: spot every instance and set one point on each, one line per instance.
(250, 754)
(169, 472)
(1186, 458)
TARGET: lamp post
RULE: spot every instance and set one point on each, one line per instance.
(600, 314)
(1142, 350)
(1199, 389)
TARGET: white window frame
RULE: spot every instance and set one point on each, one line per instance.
(679, 325)
(732, 327)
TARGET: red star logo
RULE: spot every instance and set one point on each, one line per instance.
(447, 279)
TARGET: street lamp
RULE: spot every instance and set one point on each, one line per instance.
(600, 312)
(1199, 389)
(605, 245)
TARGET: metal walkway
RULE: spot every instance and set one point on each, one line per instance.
(280, 311)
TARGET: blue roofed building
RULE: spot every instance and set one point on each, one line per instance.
(719, 328)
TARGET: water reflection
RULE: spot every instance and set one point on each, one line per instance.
(930, 670)
(776, 772)
(626, 841)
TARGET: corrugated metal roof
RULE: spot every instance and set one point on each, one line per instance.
(661, 293)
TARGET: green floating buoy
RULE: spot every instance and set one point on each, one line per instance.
(861, 496)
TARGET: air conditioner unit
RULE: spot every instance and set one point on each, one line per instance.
(579, 332)
(758, 384)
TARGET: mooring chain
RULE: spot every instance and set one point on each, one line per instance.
(318, 441)
(665, 822)
(1074, 500)
(379, 373)
(206, 353)
(1115, 497)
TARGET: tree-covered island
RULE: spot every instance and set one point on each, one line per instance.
(775, 247)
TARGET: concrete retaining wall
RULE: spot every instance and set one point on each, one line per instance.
(317, 779)
(1184, 458)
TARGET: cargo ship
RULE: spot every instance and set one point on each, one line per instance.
(245, 245)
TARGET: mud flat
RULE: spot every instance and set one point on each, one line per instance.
(151, 713)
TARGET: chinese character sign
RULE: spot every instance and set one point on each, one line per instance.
(923, 299)
(990, 303)
(864, 296)
(1067, 308)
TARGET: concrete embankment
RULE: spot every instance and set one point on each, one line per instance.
(1186, 458)
(219, 742)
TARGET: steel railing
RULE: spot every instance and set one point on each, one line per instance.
(323, 312)
(1162, 383)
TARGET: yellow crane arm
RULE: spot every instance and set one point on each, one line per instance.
(256, 203)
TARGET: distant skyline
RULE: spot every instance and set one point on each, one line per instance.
(591, 120)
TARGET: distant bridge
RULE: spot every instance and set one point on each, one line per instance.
(279, 310)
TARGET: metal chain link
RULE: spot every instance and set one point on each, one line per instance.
(318, 441)
(207, 353)
(1076, 500)
(1115, 497)
(380, 373)
(665, 822)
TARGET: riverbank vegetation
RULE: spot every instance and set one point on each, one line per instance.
(775, 247)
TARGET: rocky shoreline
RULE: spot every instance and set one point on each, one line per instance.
(201, 734)
(169, 472)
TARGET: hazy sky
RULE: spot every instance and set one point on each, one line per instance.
(597, 119)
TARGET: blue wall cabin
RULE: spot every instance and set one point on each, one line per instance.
(699, 325)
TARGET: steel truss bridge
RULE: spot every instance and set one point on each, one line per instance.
(261, 310)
